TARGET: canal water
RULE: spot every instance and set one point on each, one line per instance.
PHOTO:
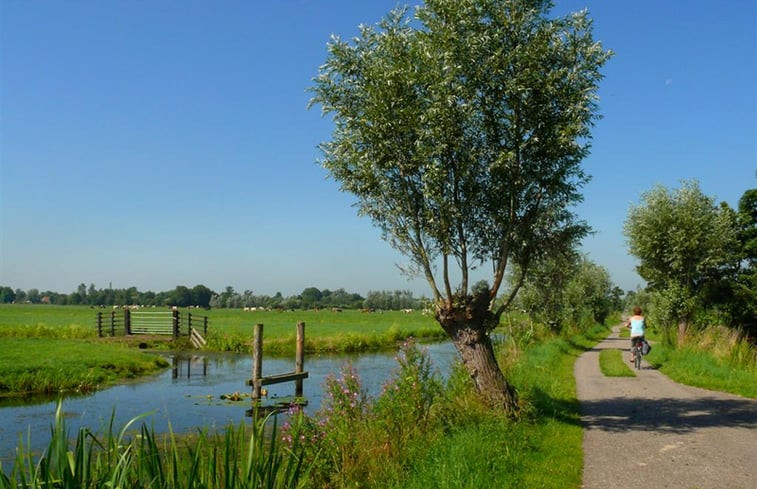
(187, 396)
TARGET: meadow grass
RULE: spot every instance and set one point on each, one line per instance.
(232, 329)
(612, 365)
(52, 365)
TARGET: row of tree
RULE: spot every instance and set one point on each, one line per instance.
(568, 290)
(181, 296)
(699, 258)
(202, 296)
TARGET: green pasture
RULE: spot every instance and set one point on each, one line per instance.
(54, 365)
(232, 329)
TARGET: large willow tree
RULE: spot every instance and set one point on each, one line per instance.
(461, 129)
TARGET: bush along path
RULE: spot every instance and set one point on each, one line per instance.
(648, 431)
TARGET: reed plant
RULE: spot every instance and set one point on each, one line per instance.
(238, 458)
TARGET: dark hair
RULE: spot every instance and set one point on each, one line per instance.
(637, 311)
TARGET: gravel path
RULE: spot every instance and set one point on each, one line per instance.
(648, 431)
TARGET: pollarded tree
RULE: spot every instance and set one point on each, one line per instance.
(684, 242)
(461, 133)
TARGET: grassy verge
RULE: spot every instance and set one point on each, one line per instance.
(44, 366)
(692, 366)
(482, 449)
(612, 365)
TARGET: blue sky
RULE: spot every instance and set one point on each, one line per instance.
(155, 144)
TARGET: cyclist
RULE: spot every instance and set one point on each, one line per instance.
(636, 323)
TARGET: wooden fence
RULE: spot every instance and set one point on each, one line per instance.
(153, 322)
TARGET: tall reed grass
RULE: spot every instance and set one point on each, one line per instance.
(239, 458)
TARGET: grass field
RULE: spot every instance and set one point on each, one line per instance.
(231, 329)
(49, 348)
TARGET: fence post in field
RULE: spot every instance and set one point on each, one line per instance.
(175, 320)
(205, 327)
(299, 360)
(257, 361)
(99, 319)
(189, 323)
(113, 323)
(127, 322)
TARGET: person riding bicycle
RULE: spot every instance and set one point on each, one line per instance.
(637, 325)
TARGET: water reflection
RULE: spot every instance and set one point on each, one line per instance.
(188, 395)
(186, 366)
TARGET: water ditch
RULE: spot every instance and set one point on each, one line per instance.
(187, 396)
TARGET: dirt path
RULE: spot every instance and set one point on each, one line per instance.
(648, 431)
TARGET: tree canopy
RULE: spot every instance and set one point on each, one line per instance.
(684, 243)
(461, 130)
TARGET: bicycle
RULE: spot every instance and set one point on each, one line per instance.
(636, 351)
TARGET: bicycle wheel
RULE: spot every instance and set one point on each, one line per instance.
(637, 359)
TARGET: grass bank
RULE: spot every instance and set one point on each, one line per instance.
(53, 365)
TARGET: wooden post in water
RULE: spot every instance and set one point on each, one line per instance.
(257, 361)
(299, 360)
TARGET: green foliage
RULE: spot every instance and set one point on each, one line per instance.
(568, 291)
(684, 243)
(457, 146)
(404, 407)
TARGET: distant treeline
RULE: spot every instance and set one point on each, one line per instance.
(202, 296)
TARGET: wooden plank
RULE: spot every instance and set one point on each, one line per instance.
(279, 378)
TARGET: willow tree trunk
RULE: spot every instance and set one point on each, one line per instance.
(468, 330)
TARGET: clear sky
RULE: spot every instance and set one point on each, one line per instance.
(160, 143)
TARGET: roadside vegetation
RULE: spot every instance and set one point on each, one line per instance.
(714, 358)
